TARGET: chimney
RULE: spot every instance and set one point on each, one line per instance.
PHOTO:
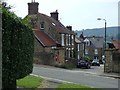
(69, 27)
(54, 15)
(33, 8)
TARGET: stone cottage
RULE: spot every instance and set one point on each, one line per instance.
(54, 43)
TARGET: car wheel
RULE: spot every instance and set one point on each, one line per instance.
(88, 66)
(98, 64)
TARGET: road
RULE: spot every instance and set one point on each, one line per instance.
(80, 76)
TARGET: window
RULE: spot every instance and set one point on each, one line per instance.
(66, 39)
(53, 24)
(96, 51)
(69, 53)
(72, 39)
(72, 52)
(78, 47)
(69, 39)
(62, 39)
(86, 51)
(87, 42)
(42, 25)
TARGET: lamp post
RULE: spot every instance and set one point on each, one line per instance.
(105, 30)
(104, 40)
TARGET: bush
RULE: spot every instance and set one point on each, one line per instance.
(87, 58)
(17, 49)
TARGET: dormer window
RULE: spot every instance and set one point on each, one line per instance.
(87, 42)
(42, 25)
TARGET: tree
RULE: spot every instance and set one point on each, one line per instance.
(17, 49)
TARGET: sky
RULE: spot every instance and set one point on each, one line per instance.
(80, 14)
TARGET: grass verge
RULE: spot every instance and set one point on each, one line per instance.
(29, 82)
(75, 86)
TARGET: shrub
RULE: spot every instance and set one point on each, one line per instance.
(17, 49)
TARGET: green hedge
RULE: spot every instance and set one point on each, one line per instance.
(17, 47)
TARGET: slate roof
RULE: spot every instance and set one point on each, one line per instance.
(77, 40)
(96, 42)
(60, 28)
(43, 37)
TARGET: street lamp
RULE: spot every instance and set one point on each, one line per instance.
(105, 30)
(104, 40)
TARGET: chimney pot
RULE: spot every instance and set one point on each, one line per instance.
(33, 8)
(55, 15)
(69, 27)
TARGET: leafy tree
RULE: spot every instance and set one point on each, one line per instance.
(17, 49)
(87, 58)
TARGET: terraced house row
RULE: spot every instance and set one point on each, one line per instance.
(54, 43)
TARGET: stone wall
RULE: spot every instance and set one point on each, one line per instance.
(112, 61)
(116, 62)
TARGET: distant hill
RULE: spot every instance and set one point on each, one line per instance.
(111, 32)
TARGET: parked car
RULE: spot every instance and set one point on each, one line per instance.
(84, 63)
(95, 62)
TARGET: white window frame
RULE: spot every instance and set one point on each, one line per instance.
(96, 51)
(78, 47)
(69, 39)
(72, 52)
(62, 40)
(42, 25)
(69, 53)
(72, 39)
(86, 51)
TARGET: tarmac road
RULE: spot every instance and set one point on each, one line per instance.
(81, 76)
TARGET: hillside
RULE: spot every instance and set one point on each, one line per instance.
(111, 32)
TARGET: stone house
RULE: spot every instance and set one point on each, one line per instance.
(54, 43)
(93, 46)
